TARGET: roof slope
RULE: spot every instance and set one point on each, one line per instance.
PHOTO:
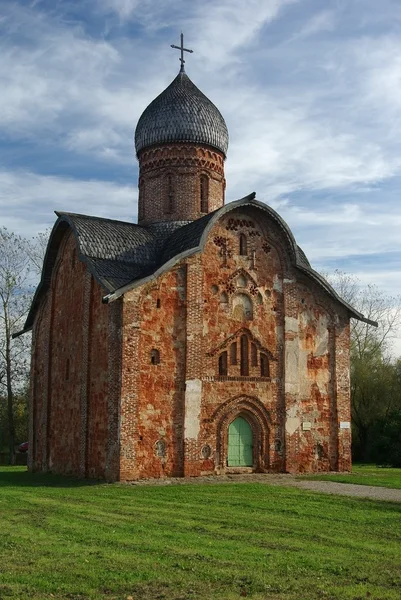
(122, 255)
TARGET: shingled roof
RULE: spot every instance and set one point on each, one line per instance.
(181, 113)
(122, 255)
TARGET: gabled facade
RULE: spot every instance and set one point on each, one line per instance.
(199, 341)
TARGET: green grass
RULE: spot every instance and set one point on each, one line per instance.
(62, 538)
(365, 475)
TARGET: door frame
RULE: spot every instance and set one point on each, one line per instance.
(253, 411)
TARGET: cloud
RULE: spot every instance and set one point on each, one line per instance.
(311, 96)
(28, 200)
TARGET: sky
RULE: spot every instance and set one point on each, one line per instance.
(310, 91)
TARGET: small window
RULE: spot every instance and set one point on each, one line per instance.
(158, 303)
(170, 195)
(223, 364)
(204, 194)
(244, 356)
(233, 353)
(224, 298)
(254, 355)
(155, 357)
(243, 245)
(264, 365)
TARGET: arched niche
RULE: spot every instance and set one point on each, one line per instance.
(242, 307)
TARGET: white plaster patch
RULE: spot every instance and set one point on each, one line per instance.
(193, 397)
(277, 284)
(292, 367)
(293, 421)
(291, 324)
(322, 336)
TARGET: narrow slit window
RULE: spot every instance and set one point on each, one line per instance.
(254, 355)
(204, 194)
(223, 367)
(158, 303)
(170, 195)
(264, 365)
(155, 357)
(244, 356)
(67, 370)
(233, 353)
(243, 245)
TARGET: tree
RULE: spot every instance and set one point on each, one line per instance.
(375, 376)
(15, 300)
(36, 249)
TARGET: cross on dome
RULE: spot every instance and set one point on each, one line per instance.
(182, 51)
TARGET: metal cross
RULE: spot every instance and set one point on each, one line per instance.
(182, 51)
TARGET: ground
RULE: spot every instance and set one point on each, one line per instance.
(63, 538)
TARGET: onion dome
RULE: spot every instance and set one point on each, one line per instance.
(181, 114)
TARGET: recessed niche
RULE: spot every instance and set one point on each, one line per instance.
(206, 451)
(214, 289)
(161, 448)
(241, 281)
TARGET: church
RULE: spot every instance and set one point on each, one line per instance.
(199, 341)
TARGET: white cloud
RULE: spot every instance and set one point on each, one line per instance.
(311, 96)
(27, 200)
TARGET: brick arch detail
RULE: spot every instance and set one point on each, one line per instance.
(254, 411)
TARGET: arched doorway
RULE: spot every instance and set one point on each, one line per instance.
(240, 443)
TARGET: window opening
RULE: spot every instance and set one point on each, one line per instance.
(254, 355)
(158, 303)
(233, 353)
(244, 356)
(67, 370)
(204, 194)
(243, 245)
(170, 194)
(264, 365)
(223, 368)
(155, 357)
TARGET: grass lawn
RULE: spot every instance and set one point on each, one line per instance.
(62, 538)
(365, 475)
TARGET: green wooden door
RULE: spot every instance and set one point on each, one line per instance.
(240, 444)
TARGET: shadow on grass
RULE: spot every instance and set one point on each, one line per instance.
(20, 477)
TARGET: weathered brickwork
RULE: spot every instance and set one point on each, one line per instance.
(170, 183)
(235, 356)
(148, 385)
(69, 411)
(153, 378)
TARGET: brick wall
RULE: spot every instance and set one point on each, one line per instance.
(170, 182)
(69, 404)
(153, 378)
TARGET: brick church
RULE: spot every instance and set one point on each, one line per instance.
(198, 341)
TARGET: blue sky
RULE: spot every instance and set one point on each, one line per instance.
(310, 90)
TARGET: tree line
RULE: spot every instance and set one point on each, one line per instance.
(375, 373)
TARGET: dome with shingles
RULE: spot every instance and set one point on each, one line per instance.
(181, 113)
